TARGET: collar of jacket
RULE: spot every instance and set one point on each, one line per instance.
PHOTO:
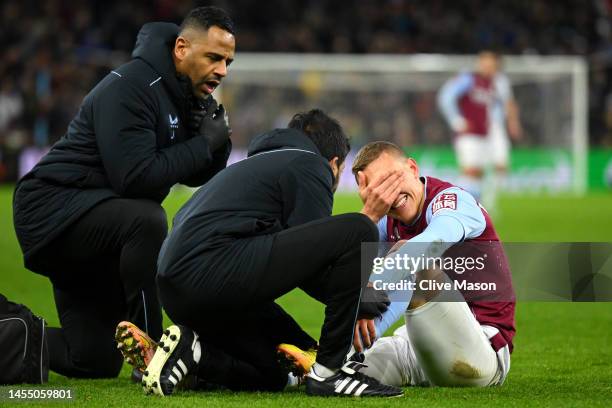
(282, 139)
(154, 45)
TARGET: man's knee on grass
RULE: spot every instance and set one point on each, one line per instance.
(99, 362)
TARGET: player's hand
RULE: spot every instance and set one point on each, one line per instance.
(515, 130)
(379, 195)
(199, 108)
(396, 246)
(460, 125)
(366, 331)
(213, 125)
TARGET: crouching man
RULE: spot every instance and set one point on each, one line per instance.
(465, 342)
(255, 231)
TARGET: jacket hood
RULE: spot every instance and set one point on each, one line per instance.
(154, 45)
(281, 139)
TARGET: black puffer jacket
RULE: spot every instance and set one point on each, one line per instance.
(129, 139)
(284, 182)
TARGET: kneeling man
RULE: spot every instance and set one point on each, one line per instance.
(465, 342)
(255, 231)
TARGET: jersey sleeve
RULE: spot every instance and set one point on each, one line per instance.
(448, 99)
(459, 205)
(382, 229)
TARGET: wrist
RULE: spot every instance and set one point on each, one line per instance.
(373, 216)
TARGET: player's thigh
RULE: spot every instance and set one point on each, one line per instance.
(101, 235)
(499, 147)
(450, 346)
(108, 226)
(305, 253)
(471, 151)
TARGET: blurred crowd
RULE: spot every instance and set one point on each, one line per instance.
(52, 52)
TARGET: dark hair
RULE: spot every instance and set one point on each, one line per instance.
(206, 17)
(324, 131)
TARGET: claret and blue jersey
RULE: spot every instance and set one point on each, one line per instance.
(451, 215)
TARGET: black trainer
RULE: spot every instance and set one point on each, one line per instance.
(350, 383)
(178, 353)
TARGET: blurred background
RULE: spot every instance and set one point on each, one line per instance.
(53, 52)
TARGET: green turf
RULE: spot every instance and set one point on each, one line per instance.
(563, 351)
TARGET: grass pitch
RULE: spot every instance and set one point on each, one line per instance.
(563, 351)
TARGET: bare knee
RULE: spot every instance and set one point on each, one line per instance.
(428, 282)
(474, 172)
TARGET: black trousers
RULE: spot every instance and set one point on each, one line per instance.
(323, 259)
(104, 268)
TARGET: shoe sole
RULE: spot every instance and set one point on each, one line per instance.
(341, 395)
(317, 393)
(151, 378)
(292, 360)
(135, 345)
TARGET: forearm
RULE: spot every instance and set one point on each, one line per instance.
(443, 232)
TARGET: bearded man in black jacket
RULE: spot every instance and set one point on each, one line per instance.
(89, 215)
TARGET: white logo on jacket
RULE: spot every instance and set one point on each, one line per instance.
(173, 123)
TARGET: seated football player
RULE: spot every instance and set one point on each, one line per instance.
(445, 342)
(255, 231)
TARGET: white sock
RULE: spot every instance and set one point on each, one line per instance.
(493, 182)
(322, 371)
(292, 380)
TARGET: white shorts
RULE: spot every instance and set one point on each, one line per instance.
(441, 344)
(482, 151)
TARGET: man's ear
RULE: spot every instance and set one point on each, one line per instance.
(413, 166)
(333, 163)
(180, 48)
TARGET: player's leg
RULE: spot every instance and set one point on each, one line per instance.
(443, 344)
(240, 357)
(499, 152)
(246, 358)
(470, 151)
(117, 241)
(141, 228)
(132, 231)
(391, 360)
(83, 346)
(451, 347)
(447, 340)
(323, 258)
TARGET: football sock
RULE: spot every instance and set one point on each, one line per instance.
(322, 371)
(494, 182)
(292, 380)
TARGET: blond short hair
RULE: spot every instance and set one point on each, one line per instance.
(370, 152)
